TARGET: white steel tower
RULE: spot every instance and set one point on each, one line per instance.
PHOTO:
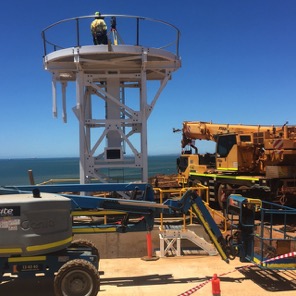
(112, 99)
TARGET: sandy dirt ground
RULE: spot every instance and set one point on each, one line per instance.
(173, 276)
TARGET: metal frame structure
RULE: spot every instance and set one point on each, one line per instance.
(112, 125)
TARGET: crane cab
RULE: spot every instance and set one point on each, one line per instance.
(237, 152)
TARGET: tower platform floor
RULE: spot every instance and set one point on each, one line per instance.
(111, 59)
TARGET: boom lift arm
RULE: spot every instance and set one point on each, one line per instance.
(253, 236)
(137, 215)
(132, 204)
(191, 200)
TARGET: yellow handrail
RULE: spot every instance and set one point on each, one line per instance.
(178, 193)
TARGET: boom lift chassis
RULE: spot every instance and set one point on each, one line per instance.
(75, 269)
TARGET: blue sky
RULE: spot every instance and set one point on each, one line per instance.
(238, 66)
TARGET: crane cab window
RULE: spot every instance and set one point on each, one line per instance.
(245, 138)
(182, 163)
(224, 145)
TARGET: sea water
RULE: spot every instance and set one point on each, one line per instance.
(15, 171)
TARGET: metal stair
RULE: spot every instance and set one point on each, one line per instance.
(172, 235)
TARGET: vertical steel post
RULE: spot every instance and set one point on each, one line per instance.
(144, 111)
(81, 118)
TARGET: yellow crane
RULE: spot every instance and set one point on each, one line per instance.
(255, 158)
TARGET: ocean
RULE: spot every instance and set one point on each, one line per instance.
(15, 171)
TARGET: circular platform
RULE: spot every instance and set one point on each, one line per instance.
(145, 44)
(104, 59)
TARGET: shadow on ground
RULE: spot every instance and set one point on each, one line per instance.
(28, 287)
(44, 287)
(156, 279)
(271, 280)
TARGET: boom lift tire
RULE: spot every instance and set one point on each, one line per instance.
(77, 278)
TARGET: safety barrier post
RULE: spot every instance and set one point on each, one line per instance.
(149, 256)
(149, 244)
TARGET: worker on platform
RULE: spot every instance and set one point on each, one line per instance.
(98, 29)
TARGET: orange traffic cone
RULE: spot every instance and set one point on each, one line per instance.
(216, 285)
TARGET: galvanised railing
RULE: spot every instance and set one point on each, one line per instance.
(131, 30)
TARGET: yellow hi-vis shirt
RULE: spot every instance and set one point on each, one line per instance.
(98, 25)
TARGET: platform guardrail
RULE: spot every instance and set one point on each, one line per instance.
(133, 30)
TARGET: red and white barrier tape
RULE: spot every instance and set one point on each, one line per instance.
(198, 287)
(288, 255)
